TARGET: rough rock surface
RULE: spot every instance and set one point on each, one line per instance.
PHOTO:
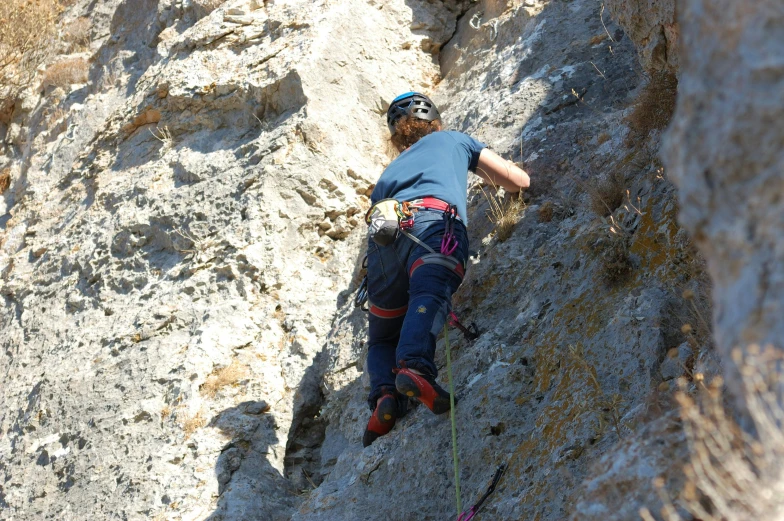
(192, 213)
(568, 361)
(652, 26)
(179, 249)
(724, 151)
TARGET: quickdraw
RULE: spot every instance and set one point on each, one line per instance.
(449, 242)
(471, 512)
(470, 333)
(406, 216)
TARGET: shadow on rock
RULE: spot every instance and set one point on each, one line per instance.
(249, 487)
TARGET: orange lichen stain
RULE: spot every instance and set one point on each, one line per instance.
(572, 403)
(573, 396)
(476, 291)
(580, 319)
(545, 363)
(517, 461)
(147, 116)
(654, 240)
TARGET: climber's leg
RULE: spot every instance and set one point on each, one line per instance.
(388, 303)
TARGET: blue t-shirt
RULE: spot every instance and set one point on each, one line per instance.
(437, 165)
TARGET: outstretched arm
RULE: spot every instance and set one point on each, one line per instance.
(500, 172)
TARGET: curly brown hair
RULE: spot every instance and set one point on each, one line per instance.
(410, 130)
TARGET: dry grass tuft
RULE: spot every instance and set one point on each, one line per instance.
(697, 324)
(57, 117)
(198, 250)
(607, 193)
(614, 251)
(27, 33)
(546, 211)
(504, 213)
(223, 377)
(734, 475)
(607, 408)
(5, 180)
(654, 107)
(599, 38)
(65, 73)
(165, 137)
(613, 239)
(77, 33)
(189, 422)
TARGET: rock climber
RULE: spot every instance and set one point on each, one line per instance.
(417, 252)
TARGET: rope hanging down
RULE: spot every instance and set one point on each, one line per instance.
(471, 512)
(452, 417)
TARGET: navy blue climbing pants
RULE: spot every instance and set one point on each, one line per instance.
(408, 310)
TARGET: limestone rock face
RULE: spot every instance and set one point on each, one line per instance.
(652, 26)
(182, 236)
(167, 288)
(724, 151)
(567, 371)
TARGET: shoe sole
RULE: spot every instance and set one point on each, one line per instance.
(408, 386)
(386, 413)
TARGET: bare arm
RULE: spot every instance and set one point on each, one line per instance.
(500, 172)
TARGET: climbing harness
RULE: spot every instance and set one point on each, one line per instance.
(449, 242)
(388, 218)
(471, 512)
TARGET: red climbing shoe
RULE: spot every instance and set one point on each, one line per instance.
(424, 388)
(382, 420)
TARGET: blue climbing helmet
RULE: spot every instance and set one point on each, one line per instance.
(411, 104)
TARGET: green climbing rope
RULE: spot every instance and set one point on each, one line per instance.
(452, 417)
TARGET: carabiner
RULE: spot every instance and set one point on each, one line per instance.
(449, 242)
